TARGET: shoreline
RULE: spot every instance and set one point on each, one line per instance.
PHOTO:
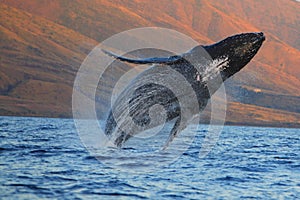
(227, 123)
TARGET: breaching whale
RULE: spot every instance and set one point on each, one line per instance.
(131, 112)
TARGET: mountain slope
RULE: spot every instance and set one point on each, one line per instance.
(44, 42)
(39, 60)
(279, 17)
(205, 21)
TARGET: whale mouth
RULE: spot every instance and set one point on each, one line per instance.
(253, 45)
(261, 37)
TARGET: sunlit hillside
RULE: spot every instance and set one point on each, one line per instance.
(43, 44)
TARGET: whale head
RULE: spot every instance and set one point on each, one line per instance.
(237, 50)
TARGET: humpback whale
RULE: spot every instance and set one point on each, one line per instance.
(131, 112)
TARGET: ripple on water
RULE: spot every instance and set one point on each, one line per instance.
(44, 158)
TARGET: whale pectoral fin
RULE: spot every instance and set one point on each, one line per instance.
(155, 60)
(121, 139)
(111, 130)
(110, 124)
(177, 128)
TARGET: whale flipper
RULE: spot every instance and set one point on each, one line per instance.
(177, 128)
(121, 139)
(154, 60)
(110, 124)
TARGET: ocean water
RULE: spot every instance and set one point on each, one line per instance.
(44, 158)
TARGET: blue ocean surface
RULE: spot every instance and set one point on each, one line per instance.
(43, 158)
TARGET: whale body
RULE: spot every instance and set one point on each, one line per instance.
(131, 112)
